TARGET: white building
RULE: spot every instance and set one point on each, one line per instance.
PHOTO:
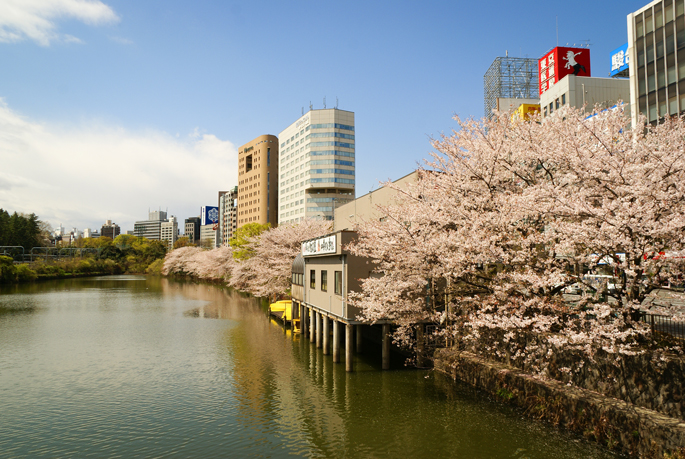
(577, 91)
(316, 167)
(169, 232)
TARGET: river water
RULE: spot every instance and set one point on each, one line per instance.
(129, 366)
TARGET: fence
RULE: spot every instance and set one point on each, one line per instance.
(664, 324)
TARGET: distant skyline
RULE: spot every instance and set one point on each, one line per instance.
(111, 108)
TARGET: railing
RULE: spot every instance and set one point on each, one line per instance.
(664, 324)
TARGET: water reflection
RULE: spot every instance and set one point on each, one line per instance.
(131, 366)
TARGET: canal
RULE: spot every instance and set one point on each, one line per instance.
(130, 366)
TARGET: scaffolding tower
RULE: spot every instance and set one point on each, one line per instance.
(510, 78)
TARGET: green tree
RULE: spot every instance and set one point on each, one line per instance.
(239, 243)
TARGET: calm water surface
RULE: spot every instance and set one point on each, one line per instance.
(129, 366)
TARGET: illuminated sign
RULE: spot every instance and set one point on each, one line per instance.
(320, 246)
(210, 215)
(619, 60)
(562, 61)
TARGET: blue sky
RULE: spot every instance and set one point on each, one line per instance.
(110, 108)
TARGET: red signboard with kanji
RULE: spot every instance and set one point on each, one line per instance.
(561, 61)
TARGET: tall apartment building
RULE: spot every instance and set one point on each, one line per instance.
(228, 216)
(656, 46)
(169, 232)
(258, 181)
(150, 228)
(110, 230)
(316, 165)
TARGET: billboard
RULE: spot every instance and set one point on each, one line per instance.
(210, 215)
(320, 246)
(619, 61)
(562, 61)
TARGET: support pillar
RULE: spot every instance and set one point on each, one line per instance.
(386, 346)
(305, 321)
(326, 335)
(319, 330)
(349, 364)
(358, 332)
(336, 341)
(312, 325)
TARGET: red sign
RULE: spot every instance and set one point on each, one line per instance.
(560, 62)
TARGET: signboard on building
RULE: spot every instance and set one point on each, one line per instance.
(210, 215)
(562, 61)
(320, 246)
(619, 61)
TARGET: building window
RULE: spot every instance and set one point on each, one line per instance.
(338, 282)
(248, 163)
(556, 104)
(312, 278)
(563, 99)
(324, 281)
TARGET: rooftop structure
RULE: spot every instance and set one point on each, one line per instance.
(510, 78)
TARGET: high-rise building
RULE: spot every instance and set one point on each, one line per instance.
(192, 229)
(258, 181)
(169, 232)
(316, 166)
(656, 46)
(228, 202)
(150, 228)
(510, 82)
(110, 230)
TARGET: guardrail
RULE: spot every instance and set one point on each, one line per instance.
(664, 324)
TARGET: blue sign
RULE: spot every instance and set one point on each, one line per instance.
(619, 60)
(210, 215)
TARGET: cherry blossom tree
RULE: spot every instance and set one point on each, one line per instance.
(507, 214)
(267, 271)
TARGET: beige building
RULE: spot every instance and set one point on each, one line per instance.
(258, 181)
(576, 91)
(365, 207)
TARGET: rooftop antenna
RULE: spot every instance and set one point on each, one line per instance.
(506, 53)
(324, 101)
(586, 43)
(310, 105)
(336, 102)
(302, 111)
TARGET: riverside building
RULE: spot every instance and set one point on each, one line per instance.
(228, 216)
(316, 165)
(258, 182)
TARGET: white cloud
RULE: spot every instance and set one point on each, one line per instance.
(81, 176)
(36, 19)
(121, 40)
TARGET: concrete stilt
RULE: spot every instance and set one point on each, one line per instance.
(336, 341)
(319, 330)
(326, 335)
(312, 325)
(305, 321)
(349, 363)
(358, 332)
(386, 346)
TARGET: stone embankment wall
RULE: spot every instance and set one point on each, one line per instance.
(617, 423)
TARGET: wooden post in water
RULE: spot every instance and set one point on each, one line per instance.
(358, 332)
(312, 325)
(386, 347)
(349, 364)
(336, 341)
(305, 321)
(319, 334)
(326, 335)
